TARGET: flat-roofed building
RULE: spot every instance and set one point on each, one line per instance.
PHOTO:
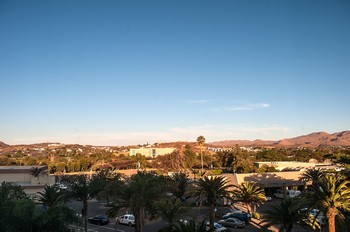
(24, 177)
(296, 166)
(151, 151)
(269, 181)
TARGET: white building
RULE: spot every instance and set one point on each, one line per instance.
(151, 152)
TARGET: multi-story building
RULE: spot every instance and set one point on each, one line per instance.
(151, 151)
(31, 178)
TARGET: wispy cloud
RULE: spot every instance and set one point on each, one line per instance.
(243, 107)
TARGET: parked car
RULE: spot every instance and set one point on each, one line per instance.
(99, 220)
(217, 227)
(126, 219)
(232, 223)
(289, 193)
(244, 217)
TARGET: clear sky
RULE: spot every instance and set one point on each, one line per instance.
(128, 72)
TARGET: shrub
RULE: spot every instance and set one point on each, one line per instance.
(255, 215)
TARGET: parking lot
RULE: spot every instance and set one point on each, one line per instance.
(97, 208)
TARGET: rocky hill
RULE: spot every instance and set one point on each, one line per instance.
(311, 140)
(3, 145)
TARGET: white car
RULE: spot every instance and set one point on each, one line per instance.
(126, 219)
(217, 227)
(62, 186)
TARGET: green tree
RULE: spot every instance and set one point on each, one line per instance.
(283, 214)
(56, 218)
(190, 157)
(81, 191)
(190, 226)
(9, 195)
(51, 196)
(249, 193)
(171, 210)
(179, 185)
(210, 190)
(312, 174)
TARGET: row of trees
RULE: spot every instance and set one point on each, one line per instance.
(329, 193)
(148, 195)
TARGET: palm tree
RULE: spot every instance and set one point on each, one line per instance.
(36, 172)
(81, 191)
(179, 184)
(249, 193)
(139, 193)
(171, 211)
(190, 226)
(201, 141)
(283, 214)
(211, 190)
(331, 194)
(313, 175)
(51, 197)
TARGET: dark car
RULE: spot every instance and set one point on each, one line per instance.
(244, 217)
(98, 220)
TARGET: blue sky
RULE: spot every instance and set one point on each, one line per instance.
(129, 72)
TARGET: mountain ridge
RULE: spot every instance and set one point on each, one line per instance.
(314, 139)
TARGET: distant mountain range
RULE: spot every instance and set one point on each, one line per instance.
(311, 140)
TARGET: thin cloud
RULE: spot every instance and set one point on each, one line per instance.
(203, 101)
(246, 107)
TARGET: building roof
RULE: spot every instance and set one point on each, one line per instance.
(20, 169)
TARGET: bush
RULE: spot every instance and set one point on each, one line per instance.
(216, 171)
(256, 216)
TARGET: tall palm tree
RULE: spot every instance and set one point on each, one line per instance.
(249, 193)
(139, 193)
(51, 197)
(201, 141)
(211, 190)
(331, 194)
(81, 191)
(283, 214)
(313, 175)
